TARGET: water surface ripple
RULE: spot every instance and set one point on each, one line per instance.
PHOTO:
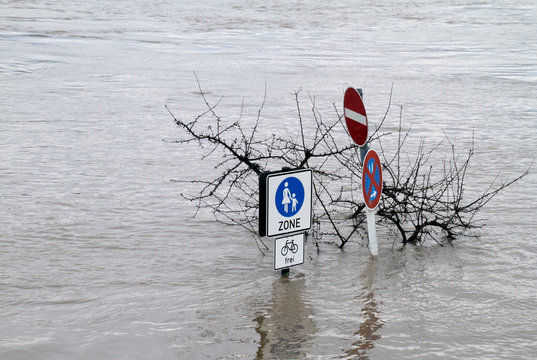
(100, 257)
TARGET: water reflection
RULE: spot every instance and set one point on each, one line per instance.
(287, 326)
(367, 331)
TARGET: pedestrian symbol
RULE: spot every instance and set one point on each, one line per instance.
(289, 196)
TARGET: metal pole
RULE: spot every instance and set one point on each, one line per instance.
(371, 224)
(363, 151)
(365, 147)
(286, 271)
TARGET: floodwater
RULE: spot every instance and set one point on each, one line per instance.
(100, 257)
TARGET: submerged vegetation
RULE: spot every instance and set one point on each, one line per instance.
(419, 201)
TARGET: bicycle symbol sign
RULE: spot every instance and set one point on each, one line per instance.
(289, 245)
(288, 251)
(372, 179)
(289, 196)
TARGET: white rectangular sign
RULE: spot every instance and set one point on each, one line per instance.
(288, 251)
(288, 202)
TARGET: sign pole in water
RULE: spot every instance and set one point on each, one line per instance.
(372, 189)
(372, 232)
(356, 120)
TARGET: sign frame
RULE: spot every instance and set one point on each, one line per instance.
(271, 223)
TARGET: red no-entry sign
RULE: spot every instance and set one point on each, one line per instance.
(372, 179)
(355, 116)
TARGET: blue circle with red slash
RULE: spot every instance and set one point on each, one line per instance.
(372, 179)
(289, 196)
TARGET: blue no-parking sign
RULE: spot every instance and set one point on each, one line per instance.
(372, 179)
(285, 202)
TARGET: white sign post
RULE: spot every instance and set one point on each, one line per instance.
(372, 232)
(288, 251)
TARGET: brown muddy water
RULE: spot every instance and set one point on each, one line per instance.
(100, 257)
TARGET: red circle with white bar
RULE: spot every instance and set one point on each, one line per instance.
(355, 116)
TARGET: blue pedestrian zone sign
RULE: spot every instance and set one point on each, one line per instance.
(289, 196)
(285, 199)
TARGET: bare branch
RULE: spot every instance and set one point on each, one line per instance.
(420, 199)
